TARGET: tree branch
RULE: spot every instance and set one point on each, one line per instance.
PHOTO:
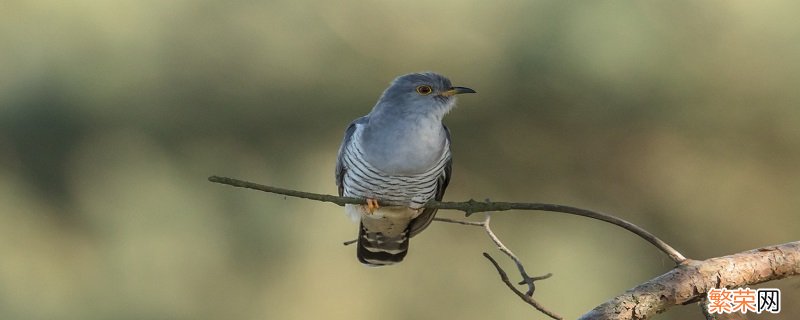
(691, 280)
(687, 283)
(469, 207)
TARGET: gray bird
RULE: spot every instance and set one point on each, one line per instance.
(399, 152)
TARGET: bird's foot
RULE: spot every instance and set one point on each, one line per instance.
(372, 205)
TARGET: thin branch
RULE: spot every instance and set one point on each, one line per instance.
(469, 207)
(288, 192)
(467, 223)
(690, 281)
(520, 294)
(526, 279)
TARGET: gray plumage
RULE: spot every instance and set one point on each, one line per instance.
(399, 152)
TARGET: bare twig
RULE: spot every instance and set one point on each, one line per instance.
(520, 294)
(470, 207)
(526, 279)
(691, 280)
(464, 222)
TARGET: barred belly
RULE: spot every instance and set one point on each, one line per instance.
(363, 180)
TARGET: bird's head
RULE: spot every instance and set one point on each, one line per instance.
(425, 93)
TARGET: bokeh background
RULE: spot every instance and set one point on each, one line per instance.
(680, 116)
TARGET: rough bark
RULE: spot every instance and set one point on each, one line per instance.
(690, 281)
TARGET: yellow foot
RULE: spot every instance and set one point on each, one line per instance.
(372, 205)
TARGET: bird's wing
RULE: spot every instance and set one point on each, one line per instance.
(340, 168)
(426, 217)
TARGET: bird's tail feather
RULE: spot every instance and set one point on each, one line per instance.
(376, 249)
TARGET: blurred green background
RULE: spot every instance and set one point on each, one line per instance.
(680, 116)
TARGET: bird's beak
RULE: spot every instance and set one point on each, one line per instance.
(457, 90)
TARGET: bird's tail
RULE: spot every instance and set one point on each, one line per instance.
(376, 249)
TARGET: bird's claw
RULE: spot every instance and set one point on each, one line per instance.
(372, 205)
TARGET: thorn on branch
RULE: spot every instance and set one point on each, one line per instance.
(542, 277)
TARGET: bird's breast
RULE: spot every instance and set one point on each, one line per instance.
(408, 150)
(388, 179)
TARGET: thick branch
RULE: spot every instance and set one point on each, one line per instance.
(692, 279)
(470, 207)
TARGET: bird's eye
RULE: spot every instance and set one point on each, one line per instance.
(424, 90)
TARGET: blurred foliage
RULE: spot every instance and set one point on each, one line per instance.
(680, 116)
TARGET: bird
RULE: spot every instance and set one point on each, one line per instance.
(398, 153)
